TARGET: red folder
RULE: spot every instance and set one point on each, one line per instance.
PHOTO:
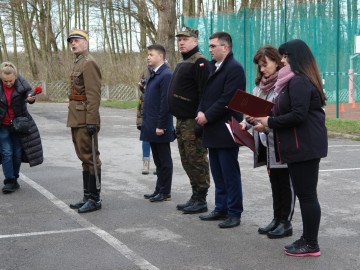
(249, 104)
(241, 137)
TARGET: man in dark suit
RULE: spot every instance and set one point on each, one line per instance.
(226, 76)
(157, 126)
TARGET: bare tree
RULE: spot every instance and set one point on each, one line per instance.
(166, 31)
(25, 15)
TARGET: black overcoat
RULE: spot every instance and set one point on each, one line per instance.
(30, 143)
(156, 112)
(220, 88)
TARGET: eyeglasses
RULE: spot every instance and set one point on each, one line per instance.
(212, 46)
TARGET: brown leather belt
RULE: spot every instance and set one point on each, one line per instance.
(77, 97)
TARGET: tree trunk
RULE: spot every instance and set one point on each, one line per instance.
(166, 31)
(142, 12)
(188, 8)
(25, 29)
(4, 53)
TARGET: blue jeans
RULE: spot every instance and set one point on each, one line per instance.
(146, 150)
(10, 150)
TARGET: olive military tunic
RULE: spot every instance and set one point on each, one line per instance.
(84, 103)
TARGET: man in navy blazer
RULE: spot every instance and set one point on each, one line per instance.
(157, 126)
(226, 76)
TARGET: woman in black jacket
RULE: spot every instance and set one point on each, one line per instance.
(301, 136)
(16, 147)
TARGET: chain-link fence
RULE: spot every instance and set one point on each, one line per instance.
(328, 27)
(346, 92)
(58, 91)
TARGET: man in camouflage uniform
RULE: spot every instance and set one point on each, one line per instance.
(84, 119)
(185, 90)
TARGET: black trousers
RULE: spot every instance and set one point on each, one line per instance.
(282, 193)
(161, 153)
(304, 176)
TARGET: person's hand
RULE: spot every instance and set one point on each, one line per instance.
(201, 119)
(262, 120)
(259, 128)
(251, 120)
(30, 99)
(242, 125)
(91, 129)
(159, 131)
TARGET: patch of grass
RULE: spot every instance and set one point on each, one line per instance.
(334, 125)
(131, 104)
(343, 126)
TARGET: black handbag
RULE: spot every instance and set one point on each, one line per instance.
(22, 124)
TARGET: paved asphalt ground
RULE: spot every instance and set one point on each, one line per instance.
(39, 231)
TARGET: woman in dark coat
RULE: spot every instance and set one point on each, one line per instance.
(16, 147)
(301, 136)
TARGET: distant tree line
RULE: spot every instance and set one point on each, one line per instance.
(33, 32)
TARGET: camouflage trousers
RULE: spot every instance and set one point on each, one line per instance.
(193, 154)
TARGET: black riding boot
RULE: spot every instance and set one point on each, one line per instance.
(94, 201)
(199, 206)
(80, 203)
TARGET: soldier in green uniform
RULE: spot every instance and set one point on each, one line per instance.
(84, 119)
(185, 91)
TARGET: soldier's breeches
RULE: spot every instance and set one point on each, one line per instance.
(193, 155)
(83, 149)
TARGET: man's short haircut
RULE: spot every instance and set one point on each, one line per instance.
(159, 48)
(223, 37)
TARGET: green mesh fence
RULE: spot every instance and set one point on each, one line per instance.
(330, 37)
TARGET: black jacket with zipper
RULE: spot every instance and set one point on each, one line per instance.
(299, 122)
(30, 143)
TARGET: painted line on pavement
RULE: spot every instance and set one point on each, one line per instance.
(345, 145)
(42, 233)
(335, 170)
(111, 240)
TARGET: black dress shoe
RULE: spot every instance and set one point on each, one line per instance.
(272, 225)
(148, 196)
(214, 215)
(282, 230)
(230, 222)
(160, 198)
(90, 206)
